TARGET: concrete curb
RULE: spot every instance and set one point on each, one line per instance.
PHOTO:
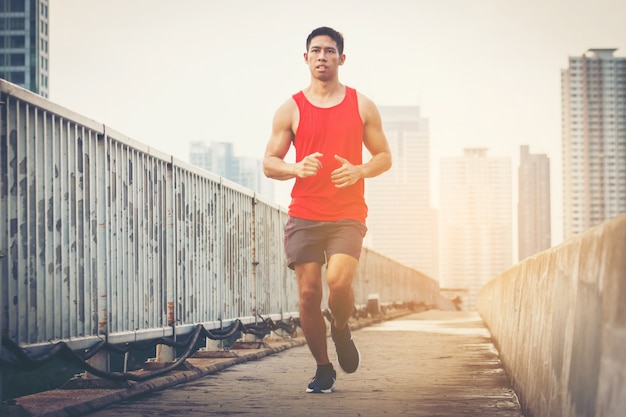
(63, 402)
(195, 370)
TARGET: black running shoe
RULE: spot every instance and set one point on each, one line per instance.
(324, 380)
(347, 353)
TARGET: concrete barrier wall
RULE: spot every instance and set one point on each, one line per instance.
(559, 321)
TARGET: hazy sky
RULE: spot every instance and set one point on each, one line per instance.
(484, 72)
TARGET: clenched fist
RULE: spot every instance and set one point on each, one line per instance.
(309, 165)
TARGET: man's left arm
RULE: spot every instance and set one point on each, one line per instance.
(374, 140)
(376, 143)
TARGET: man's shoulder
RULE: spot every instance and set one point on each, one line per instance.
(287, 111)
(362, 97)
(289, 104)
(366, 105)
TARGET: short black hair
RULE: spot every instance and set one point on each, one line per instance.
(332, 33)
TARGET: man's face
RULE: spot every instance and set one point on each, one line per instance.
(323, 57)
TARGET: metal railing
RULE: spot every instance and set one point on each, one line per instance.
(105, 238)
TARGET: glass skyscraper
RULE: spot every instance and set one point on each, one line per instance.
(594, 139)
(24, 49)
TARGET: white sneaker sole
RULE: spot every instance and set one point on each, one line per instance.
(321, 391)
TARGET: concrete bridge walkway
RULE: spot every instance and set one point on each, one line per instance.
(433, 363)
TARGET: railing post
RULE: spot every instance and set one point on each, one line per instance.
(166, 353)
(1, 320)
(101, 359)
(247, 337)
(3, 269)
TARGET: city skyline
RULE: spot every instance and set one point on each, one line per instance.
(475, 221)
(401, 222)
(219, 158)
(484, 73)
(533, 226)
(594, 147)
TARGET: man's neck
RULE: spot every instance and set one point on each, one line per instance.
(324, 88)
(325, 93)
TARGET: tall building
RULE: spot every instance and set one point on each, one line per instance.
(533, 206)
(219, 158)
(475, 221)
(593, 97)
(24, 57)
(401, 223)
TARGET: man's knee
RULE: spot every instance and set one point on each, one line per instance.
(340, 284)
(340, 272)
(310, 297)
(309, 285)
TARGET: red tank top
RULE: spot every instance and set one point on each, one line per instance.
(336, 130)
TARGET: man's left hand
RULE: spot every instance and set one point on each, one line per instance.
(346, 175)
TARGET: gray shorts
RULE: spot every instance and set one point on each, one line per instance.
(315, 241)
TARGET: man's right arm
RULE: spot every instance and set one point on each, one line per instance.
(274, 165)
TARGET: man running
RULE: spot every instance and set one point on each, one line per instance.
(328, 123)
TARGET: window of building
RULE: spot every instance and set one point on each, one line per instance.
(17, 60)
(17, 42)
(17, 77)
(17, 6)
(12, 23)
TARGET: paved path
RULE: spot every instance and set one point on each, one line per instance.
(432, 363)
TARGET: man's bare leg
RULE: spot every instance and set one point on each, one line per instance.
(340, 274)
(311, 318)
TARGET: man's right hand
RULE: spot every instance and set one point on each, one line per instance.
(309, 165)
